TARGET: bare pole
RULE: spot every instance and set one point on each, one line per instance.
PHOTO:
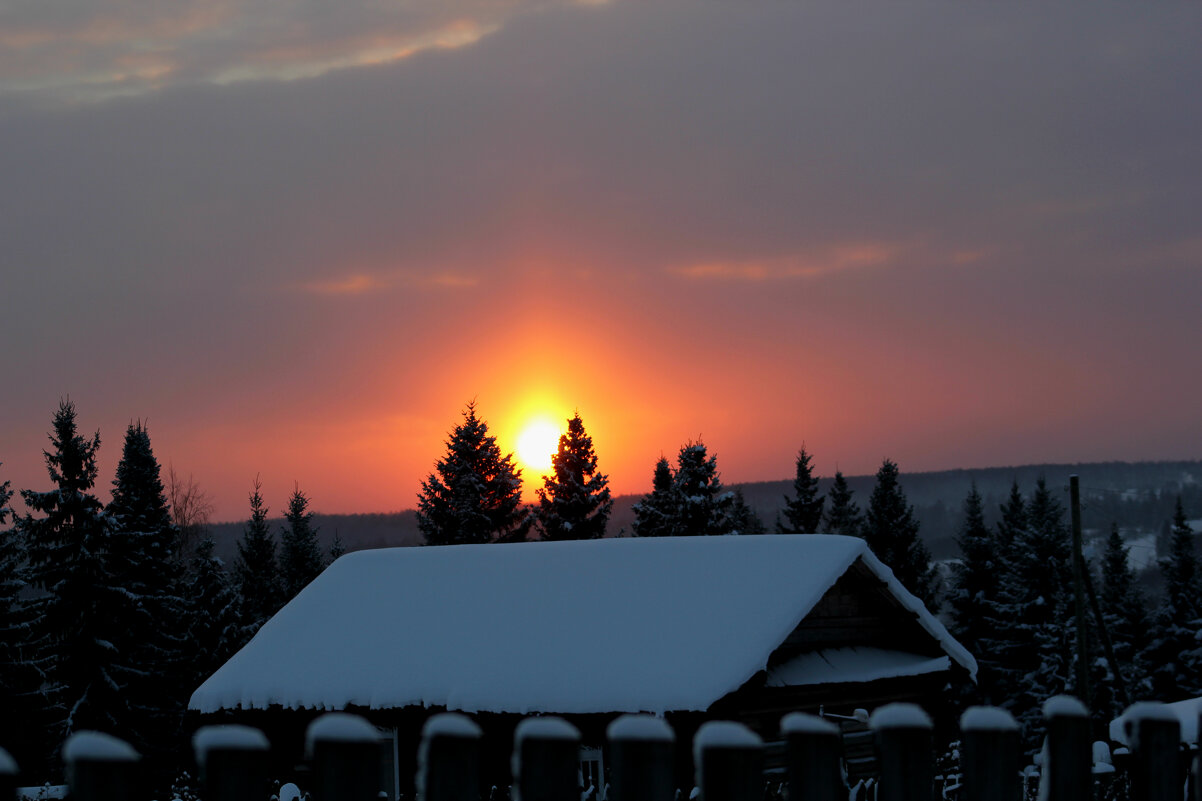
(1074, 490)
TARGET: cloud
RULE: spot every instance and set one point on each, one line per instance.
(819, 262)
(77, 50)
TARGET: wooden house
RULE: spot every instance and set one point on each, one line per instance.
(690, 628)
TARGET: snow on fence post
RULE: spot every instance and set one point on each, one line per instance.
(345, 750)
(641, 750)
(990, 755)
(233, 763)
(812, 746)
(8, 776)
(1155, 736)
(1068, 761)
(903, 736)
(546, 760)
(448, 760)
(729, 761)
(100, 767)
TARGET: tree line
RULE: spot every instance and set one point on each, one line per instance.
(111, 614)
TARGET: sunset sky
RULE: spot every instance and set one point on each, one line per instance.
(298, 238)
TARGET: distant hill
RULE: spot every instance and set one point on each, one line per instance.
(1138, 496)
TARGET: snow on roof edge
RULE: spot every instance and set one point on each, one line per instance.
(928, 621)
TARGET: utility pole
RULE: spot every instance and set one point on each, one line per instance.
(1082, 688)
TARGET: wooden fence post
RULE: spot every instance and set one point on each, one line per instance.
(729, 760)
(990, 755)
(448, 760)
(641, 751)
(903, 736)
(233, 763)
(8, 776)
(812, 747)
(1068, 761)
(345, 750)
(1154, 734)
(101, 768)
(546, 760)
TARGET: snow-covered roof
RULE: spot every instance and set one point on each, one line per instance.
(613, 625)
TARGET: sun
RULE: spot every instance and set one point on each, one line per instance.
(537, 443)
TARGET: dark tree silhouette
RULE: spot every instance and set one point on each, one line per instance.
(803, 510)
(574, 501)
(76, 615)
(892, 533)
(257, 571)
(300, 555)
(653, 515)
(843, 515)
(474, 494)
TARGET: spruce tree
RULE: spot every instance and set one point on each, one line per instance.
(337, 548)
(1124, 611)
(843, 515)
(1174, 650)
(474, 494)
(141, 561)
(574, 501)
(803, 511)
(974, 577)
(1043, 650)
(1005, 645)
(214, 630)
(300, 555)
(703, 507)
(892, 533)
(742, 518)
(76, 616)
(19, 680)
(653, 515)
(257, 572)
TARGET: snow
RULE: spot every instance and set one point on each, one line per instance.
(339, 727)
(227, 737)
(450, 724)
(613, 625)
(900, 716)
(640, 727)
(858, 664)
(801, 723)
(1185, 712)
(987, 718)
(8, 765)
(1064, 706)
(723, 734)
(549, 728)
(95, 746)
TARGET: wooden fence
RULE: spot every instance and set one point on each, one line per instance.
(344, 754)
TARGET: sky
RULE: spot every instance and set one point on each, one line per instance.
(297, 239)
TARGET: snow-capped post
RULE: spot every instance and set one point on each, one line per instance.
(813, 757)
(990, 755)
(233, 763)
(1068, 759)
(1155, 737)
(100, 767)
(345, 751)
(729, 760)
(903, 736)
(448, 760)
(641, 753)
(8, 776)
(546, 764)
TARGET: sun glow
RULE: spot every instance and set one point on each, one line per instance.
(537, 443)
